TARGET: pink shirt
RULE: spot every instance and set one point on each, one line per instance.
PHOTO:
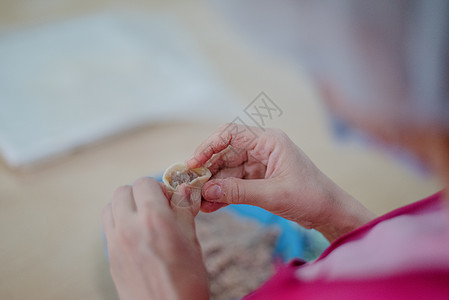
(401, 255)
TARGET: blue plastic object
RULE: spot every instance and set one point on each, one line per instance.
(294, 241)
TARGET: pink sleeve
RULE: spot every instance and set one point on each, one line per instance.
(429, 282)
(422, 285)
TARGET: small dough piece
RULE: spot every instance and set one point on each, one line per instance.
(179, 173)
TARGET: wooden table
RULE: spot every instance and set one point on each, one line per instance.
(51, 238)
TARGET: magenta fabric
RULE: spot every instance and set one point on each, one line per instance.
(401, 255)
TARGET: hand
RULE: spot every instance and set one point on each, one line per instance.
(153, 249)
(271, 172)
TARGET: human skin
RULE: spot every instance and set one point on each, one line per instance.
(154, 252)
(153, 249)
(271, 172)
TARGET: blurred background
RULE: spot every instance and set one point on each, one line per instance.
(94, 94)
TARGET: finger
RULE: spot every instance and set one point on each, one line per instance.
(107, 219)
(246, 171)
(123, 205)
(239, 136)
(208, 207)
(185, 196)
(239, 191)
(237, 172)
(150, 197)
(228, 158)
(167, 192)
(186, 205)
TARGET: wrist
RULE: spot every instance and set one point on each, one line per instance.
(344, 213)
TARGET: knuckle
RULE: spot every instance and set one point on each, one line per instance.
(121, 190)
(235, 191)
(142, 181)
(225, 132)
(210, 148)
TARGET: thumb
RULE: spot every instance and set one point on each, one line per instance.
(233, 190)
(186, 198)
(185, 202)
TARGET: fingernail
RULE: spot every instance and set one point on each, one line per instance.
(214, 192)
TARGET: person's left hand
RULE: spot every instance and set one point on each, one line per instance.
(153, 249)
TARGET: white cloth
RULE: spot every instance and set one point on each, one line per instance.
(70, 83)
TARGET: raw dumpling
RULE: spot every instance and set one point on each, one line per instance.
(178, 174)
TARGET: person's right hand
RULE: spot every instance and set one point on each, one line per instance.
(266, 169)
